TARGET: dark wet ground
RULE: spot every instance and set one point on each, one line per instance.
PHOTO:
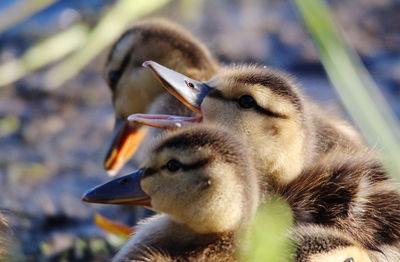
(52, 143)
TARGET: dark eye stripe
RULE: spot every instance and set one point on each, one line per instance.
(218, 95)
(215, 93)
(195, 165)
(120, 71)
(148, 172)
(267, 112)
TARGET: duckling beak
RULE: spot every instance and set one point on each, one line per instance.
(164, 121)
(190, 92)
(126, 139)
(112, 227)
(124, 190)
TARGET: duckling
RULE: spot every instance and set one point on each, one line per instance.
(328, 178)
(285, 131)
(202, 180)
(349, 192)
(316, 243)
(133, 89)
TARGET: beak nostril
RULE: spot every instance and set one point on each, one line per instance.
(124, 181)
(189, 84)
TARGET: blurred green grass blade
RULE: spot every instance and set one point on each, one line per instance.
(268, 238)
(111, 26)
(43, 53)
(21, 11)
(355, 87)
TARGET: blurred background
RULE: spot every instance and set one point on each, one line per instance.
(56, 116)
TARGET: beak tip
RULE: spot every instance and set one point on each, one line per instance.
(90, 196)
(85, 199)
(146, 63)
(131, 117)
(109, 163)
(111, 172)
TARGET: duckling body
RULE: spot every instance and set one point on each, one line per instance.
(161, 239)
(133, 89)
(317, 243)
(202, 180)
(350, 192)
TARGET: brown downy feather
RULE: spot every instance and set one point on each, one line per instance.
(220, 249)
(333, 134)
(350, 192)
(5, 238)
(321, 243)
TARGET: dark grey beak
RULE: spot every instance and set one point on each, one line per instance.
(125, 190)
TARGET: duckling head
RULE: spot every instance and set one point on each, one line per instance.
(262, 105)
(133, 88)
(201, 177)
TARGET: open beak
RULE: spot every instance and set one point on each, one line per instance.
(125, 141)
(164, 121)
(190, 92)
(124, 190)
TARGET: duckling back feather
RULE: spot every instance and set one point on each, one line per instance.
(349, 192)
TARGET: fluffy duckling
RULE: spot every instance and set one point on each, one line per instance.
(327, 175)
(285, 131)
(350, 192)
(134, 89)
(316, 243)
(202, 180)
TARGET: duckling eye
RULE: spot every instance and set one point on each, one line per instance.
(350, 259)
(247, 101)
(173, 165)
(113, 77)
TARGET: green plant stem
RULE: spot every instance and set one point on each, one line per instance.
(355, 87)
(43, 53)
(21, 11)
